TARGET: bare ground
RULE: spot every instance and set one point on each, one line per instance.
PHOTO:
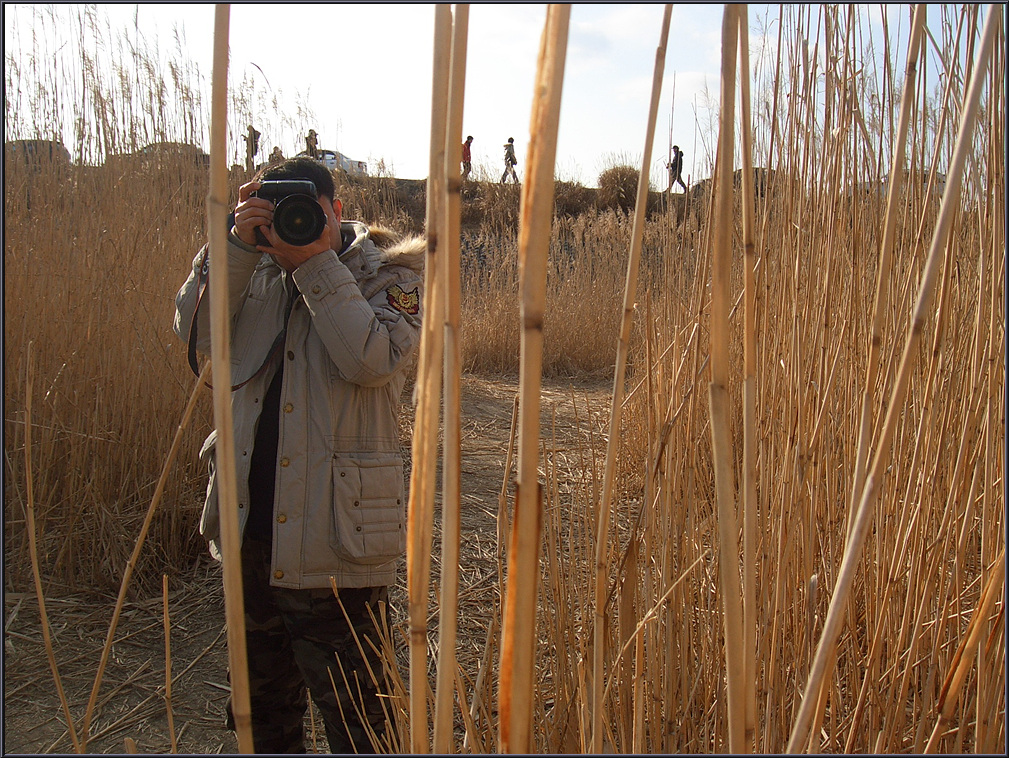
(132, 703)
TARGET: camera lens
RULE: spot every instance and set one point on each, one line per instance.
(298, 219)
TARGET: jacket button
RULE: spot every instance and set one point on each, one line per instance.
(285, 462)
(278, 574)
(281, 519)
(241, 505)
(245, 452)
(290, 355)
(357, 503)
(288, 408)
(358, 528)
(316, 289)
(343, 473)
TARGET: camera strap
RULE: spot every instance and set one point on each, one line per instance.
(201, 289)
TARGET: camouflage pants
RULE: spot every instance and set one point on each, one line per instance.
(293, 639)
(509, 170)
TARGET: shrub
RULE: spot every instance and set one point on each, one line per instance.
(571, 199)
(618, 187)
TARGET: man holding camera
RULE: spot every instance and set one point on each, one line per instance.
(325, 323)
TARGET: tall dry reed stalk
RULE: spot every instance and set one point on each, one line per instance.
(420, 513)
(220, 361)
(451, 505)
(718, 389)
(602, 546)
(749, 466)
(518, 632)
(30, 518)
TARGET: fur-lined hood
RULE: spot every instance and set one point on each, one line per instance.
(389, 248)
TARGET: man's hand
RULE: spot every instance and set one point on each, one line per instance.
(251, 213)
(254, 213)
(291, 256)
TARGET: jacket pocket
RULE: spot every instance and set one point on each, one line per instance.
(368, 509)
(210, 521)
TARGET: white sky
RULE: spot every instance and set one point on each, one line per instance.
(364, 70)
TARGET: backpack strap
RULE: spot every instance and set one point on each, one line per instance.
(201, 288)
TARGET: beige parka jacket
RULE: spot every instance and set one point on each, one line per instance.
(352, 333)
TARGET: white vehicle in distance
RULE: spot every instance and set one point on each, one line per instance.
(334, 160)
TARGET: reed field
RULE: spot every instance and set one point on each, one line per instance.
(789, 392)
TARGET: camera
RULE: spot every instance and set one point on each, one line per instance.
(298, 218)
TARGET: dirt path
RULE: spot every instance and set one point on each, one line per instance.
(131, 701)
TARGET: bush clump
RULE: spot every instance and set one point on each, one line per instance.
(618, 188)
(572, 199)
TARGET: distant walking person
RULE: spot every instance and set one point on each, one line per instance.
(312, 144)
(276, 156)
(251, 146)
(467, 158)
(510, 161)
(675, 166)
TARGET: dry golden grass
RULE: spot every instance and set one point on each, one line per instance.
(87, 271)
(94, 254)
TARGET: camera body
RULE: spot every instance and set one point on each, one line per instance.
(298, 219)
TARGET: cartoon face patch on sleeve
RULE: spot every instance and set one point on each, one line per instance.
(404, 302)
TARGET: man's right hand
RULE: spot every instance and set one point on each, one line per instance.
(251, 213)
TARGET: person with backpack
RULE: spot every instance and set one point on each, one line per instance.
(510, 161)
(675, 167)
